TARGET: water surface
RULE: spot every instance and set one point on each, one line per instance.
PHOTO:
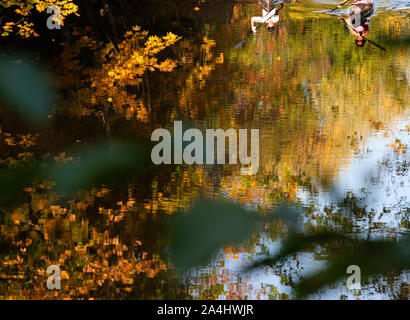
(330, 114)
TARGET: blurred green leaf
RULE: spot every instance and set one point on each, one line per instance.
(24, 88)
(296, 243)
(288, 214)
(13, 183)
(373, 257)
(104, 163)
(209, 225)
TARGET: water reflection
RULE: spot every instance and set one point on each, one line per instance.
(327, 111)
(357, 23)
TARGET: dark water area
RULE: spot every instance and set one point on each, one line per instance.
(334, 138)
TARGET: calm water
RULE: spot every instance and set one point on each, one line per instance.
(330, 114)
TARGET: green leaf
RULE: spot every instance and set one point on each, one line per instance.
(13, 183)
(288, 214)
(373, 257)
(209, 225)
(99, 165)
(298, 242)
(24, 88)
